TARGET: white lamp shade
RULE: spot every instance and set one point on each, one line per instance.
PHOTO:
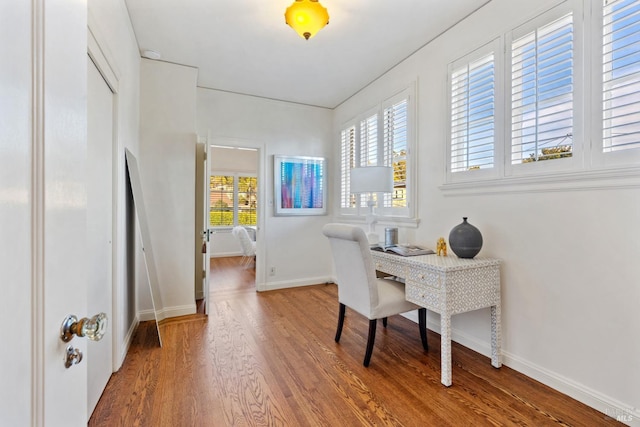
(372, 179)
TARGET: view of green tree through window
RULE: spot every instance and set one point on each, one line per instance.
(233, 200)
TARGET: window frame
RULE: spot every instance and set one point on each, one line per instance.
(360, 209)
(599, 158)
(589, 166)
(398, 211)
(495, 47)
(236, 182)
(567, 164)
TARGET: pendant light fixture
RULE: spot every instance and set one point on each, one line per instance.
(307, 17)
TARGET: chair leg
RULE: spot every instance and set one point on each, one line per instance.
(243, 261)
(340, 322)
(384, 322)
(422, 324)
(370, 340)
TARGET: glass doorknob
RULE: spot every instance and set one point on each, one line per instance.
(93, 328)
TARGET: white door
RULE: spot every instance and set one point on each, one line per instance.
(42, 210)
(206, 228)
(99, 228)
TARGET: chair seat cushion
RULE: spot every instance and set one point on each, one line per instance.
(391, 299)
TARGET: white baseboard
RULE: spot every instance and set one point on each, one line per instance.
(605, 404)
(126, 344)
(176, 311)
(272, 286)
(593, 398)
(224, 254)
(167, 312)
(146, 315)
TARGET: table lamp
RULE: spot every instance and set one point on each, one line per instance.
(372, 179)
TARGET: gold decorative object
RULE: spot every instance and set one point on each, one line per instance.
(441, 247)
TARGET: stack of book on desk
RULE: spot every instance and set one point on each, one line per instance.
(403, 250)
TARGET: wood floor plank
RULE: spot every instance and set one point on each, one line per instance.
(269, 359)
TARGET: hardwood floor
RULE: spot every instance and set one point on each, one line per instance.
(269, 359)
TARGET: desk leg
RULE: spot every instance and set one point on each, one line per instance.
(445, 349)
(496, 336)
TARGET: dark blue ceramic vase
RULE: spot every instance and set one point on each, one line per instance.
(465, 240)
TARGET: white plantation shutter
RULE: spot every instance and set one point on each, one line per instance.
(394, 122)
(368, 149)
(621, 75)
(369, 141)
(381, 136)
(473, 114)
(542, 92)
(347, 162)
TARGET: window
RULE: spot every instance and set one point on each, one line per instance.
(382, 137)
(369, 141)
(621, 75)
(395, 133)
(473, 111)
(233, 200)
(347, 162)
(542, 93)
(368, 149)
(546, 107)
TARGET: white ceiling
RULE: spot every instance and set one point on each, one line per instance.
(244, 46)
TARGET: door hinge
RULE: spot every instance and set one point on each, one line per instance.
(204, 274)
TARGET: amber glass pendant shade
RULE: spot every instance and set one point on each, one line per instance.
(306, 17)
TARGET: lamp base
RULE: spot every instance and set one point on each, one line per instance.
(373, 238)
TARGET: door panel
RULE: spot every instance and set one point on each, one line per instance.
(42, 209)
(205, 226)
(99, 228)
(15, 215)
(60, 205)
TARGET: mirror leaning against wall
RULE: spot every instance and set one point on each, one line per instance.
(147, 249)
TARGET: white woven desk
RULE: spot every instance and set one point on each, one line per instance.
(448, 286)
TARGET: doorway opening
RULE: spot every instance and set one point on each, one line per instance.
(235, 192)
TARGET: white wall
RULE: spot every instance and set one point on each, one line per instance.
(109, 23)
(167, 169)
(288, 244)
(570, 273)
(233, 160)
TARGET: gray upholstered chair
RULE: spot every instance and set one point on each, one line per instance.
(360, 289)
(247, 245)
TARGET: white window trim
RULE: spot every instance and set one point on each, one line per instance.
(600, 159)
(388, 216)
(589, 167)
(354, 122)
(410, 95)
(576, 161)
(235, 175)
(494, 46)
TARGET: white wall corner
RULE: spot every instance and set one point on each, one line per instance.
(146, 315)
(182, 310)
(167, 312)
(126, 343)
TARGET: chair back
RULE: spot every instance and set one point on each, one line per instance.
(354, 268)
(246, 244)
